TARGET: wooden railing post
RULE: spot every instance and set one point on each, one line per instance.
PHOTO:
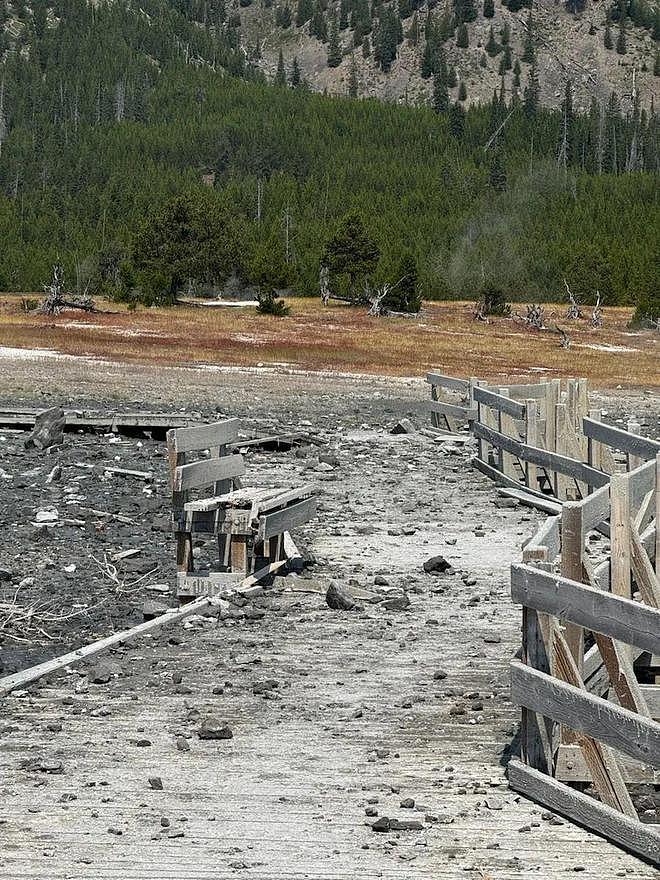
(572, 549)
(532, 439)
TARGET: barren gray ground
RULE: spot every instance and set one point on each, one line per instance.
(360, 710)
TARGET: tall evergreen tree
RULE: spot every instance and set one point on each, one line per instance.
(532, 92)
(489, 8)
(304, 12)
(462, 91)
(497, 174)
(462, 37)
(334, 46)
(464, 10)
(492, 46)
(621, 39)
(607, 36)
(529, 51)
(280, 76)
(457, 121)
(295, 77)
(318, 27)
(353, 83)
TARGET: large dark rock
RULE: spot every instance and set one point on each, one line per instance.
(339, 598)
(436, 565)
(212, 728)
(48, 429)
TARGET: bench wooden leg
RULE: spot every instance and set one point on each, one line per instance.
(239, 553)
(184, 555)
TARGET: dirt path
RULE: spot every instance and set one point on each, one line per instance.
(362, 710)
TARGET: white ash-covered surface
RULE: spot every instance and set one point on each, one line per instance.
(333, 713)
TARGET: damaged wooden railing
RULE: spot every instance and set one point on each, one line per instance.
(539, 438)
(586, 681)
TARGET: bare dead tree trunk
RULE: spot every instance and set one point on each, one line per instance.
(574, 311)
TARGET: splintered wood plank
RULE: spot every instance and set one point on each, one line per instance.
(174, 615)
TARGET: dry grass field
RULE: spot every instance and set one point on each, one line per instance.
(344, 339)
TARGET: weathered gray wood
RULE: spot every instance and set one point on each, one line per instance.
(547, 538)
(551, 460)
(207, 472)
(456, 412)
(202, 437)
(174, 615)
(583, 712)
(547, 504)
(594, 609)
(527, 392)
(616, 438)
(499, 402)
(286, 519)
(570, 766)
(595, 508)
(641, 839)
(448, 382)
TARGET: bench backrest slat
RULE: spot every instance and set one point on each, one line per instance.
(203, 437)
(208, 472)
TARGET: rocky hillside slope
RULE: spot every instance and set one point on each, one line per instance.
(566, 46)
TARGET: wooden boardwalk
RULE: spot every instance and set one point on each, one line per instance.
(357, 715)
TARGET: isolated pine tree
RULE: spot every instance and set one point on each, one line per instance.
(607, 36)
(334, 46)
(318, 27)
(529, 52)
(489, 8)
(353, 85)
(532, 92)
(621, 39)
(516, 74)
(462, 91)
(452, 78)
(366, 47)
(462, 37)
(343, 15)
(656, 64)
(492, 46)
(505, 35)
(505, 61)
(280, 76)
(295, 78)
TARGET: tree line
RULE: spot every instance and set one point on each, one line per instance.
(99, 138)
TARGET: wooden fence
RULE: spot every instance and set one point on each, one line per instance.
(588, 681)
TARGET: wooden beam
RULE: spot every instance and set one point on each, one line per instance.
(208, 472)
(601, 762)
(448, 382)
(245, 587)
(570, 766)
(456, 412)
(641, 839)
(595, 610)
(585, 713)
(499, 402)
(645, 576)
(550, 460)
(286, 519)
(617, 438)
(202, 437)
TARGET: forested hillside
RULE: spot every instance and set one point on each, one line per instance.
(108, 111)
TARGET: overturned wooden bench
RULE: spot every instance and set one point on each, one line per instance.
(209, 502)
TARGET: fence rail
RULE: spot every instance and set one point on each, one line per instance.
(588, 681)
